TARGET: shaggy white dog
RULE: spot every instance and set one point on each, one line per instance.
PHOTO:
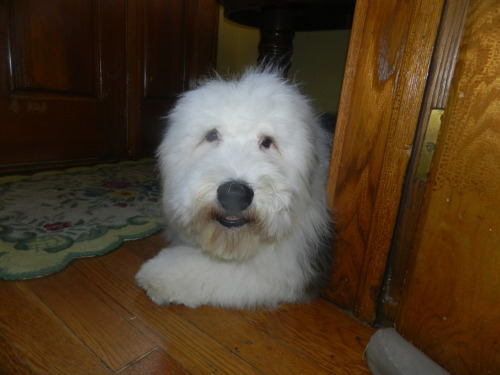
(244, 166)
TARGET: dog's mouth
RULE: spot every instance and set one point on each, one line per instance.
(231, 221)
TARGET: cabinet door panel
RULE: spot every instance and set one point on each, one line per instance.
(166, 61)
(48, 60)
(62, 95)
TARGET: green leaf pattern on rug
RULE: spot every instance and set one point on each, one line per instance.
(79, 212)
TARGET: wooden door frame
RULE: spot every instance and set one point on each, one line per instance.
(386, 74)
(436, 95)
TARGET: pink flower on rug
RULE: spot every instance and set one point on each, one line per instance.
(117, 185)
(57, 226)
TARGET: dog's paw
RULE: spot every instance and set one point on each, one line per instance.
(152, 282)
(166, 280)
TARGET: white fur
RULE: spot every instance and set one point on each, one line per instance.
(282, 253)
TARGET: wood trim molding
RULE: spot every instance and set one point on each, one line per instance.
(387, 67)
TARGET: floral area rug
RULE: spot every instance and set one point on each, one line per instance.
(50, 218)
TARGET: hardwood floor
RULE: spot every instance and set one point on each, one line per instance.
(91, 318)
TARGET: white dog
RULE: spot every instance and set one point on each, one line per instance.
(244, 165)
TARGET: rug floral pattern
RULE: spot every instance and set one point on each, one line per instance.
(51, 218)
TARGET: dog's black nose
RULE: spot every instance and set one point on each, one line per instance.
(234, 196)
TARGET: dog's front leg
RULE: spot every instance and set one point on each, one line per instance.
(185, 275)
(173, 276)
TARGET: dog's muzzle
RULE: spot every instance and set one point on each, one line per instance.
(234, 197)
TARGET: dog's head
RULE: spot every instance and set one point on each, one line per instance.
(238, 163)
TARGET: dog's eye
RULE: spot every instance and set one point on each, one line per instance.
(212, 136)
(266, 142)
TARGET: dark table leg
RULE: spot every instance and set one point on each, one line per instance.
(277, 31)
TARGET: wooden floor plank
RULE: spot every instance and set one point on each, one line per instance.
(94, 310)
(39, 338)
(192, 348)
(156, 362)
(335, 340)
(254, 346)
(111, 337)
(11, 360)
(319, 331)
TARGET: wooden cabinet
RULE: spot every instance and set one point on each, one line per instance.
(171, 44)
(89, 80)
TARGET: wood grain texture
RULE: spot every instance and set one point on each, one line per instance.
(112, 337)
(330, 340)
(202, 27)
(33, 24)
(451, 303)
(93, 80)
(387, 66)
(170, 44)
(63, 95)
(161, 326)
(156, 362)
(35, 339)
(436, 94)
(248, 343)
(91, 318)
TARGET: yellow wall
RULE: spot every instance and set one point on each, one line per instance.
(318, 59)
